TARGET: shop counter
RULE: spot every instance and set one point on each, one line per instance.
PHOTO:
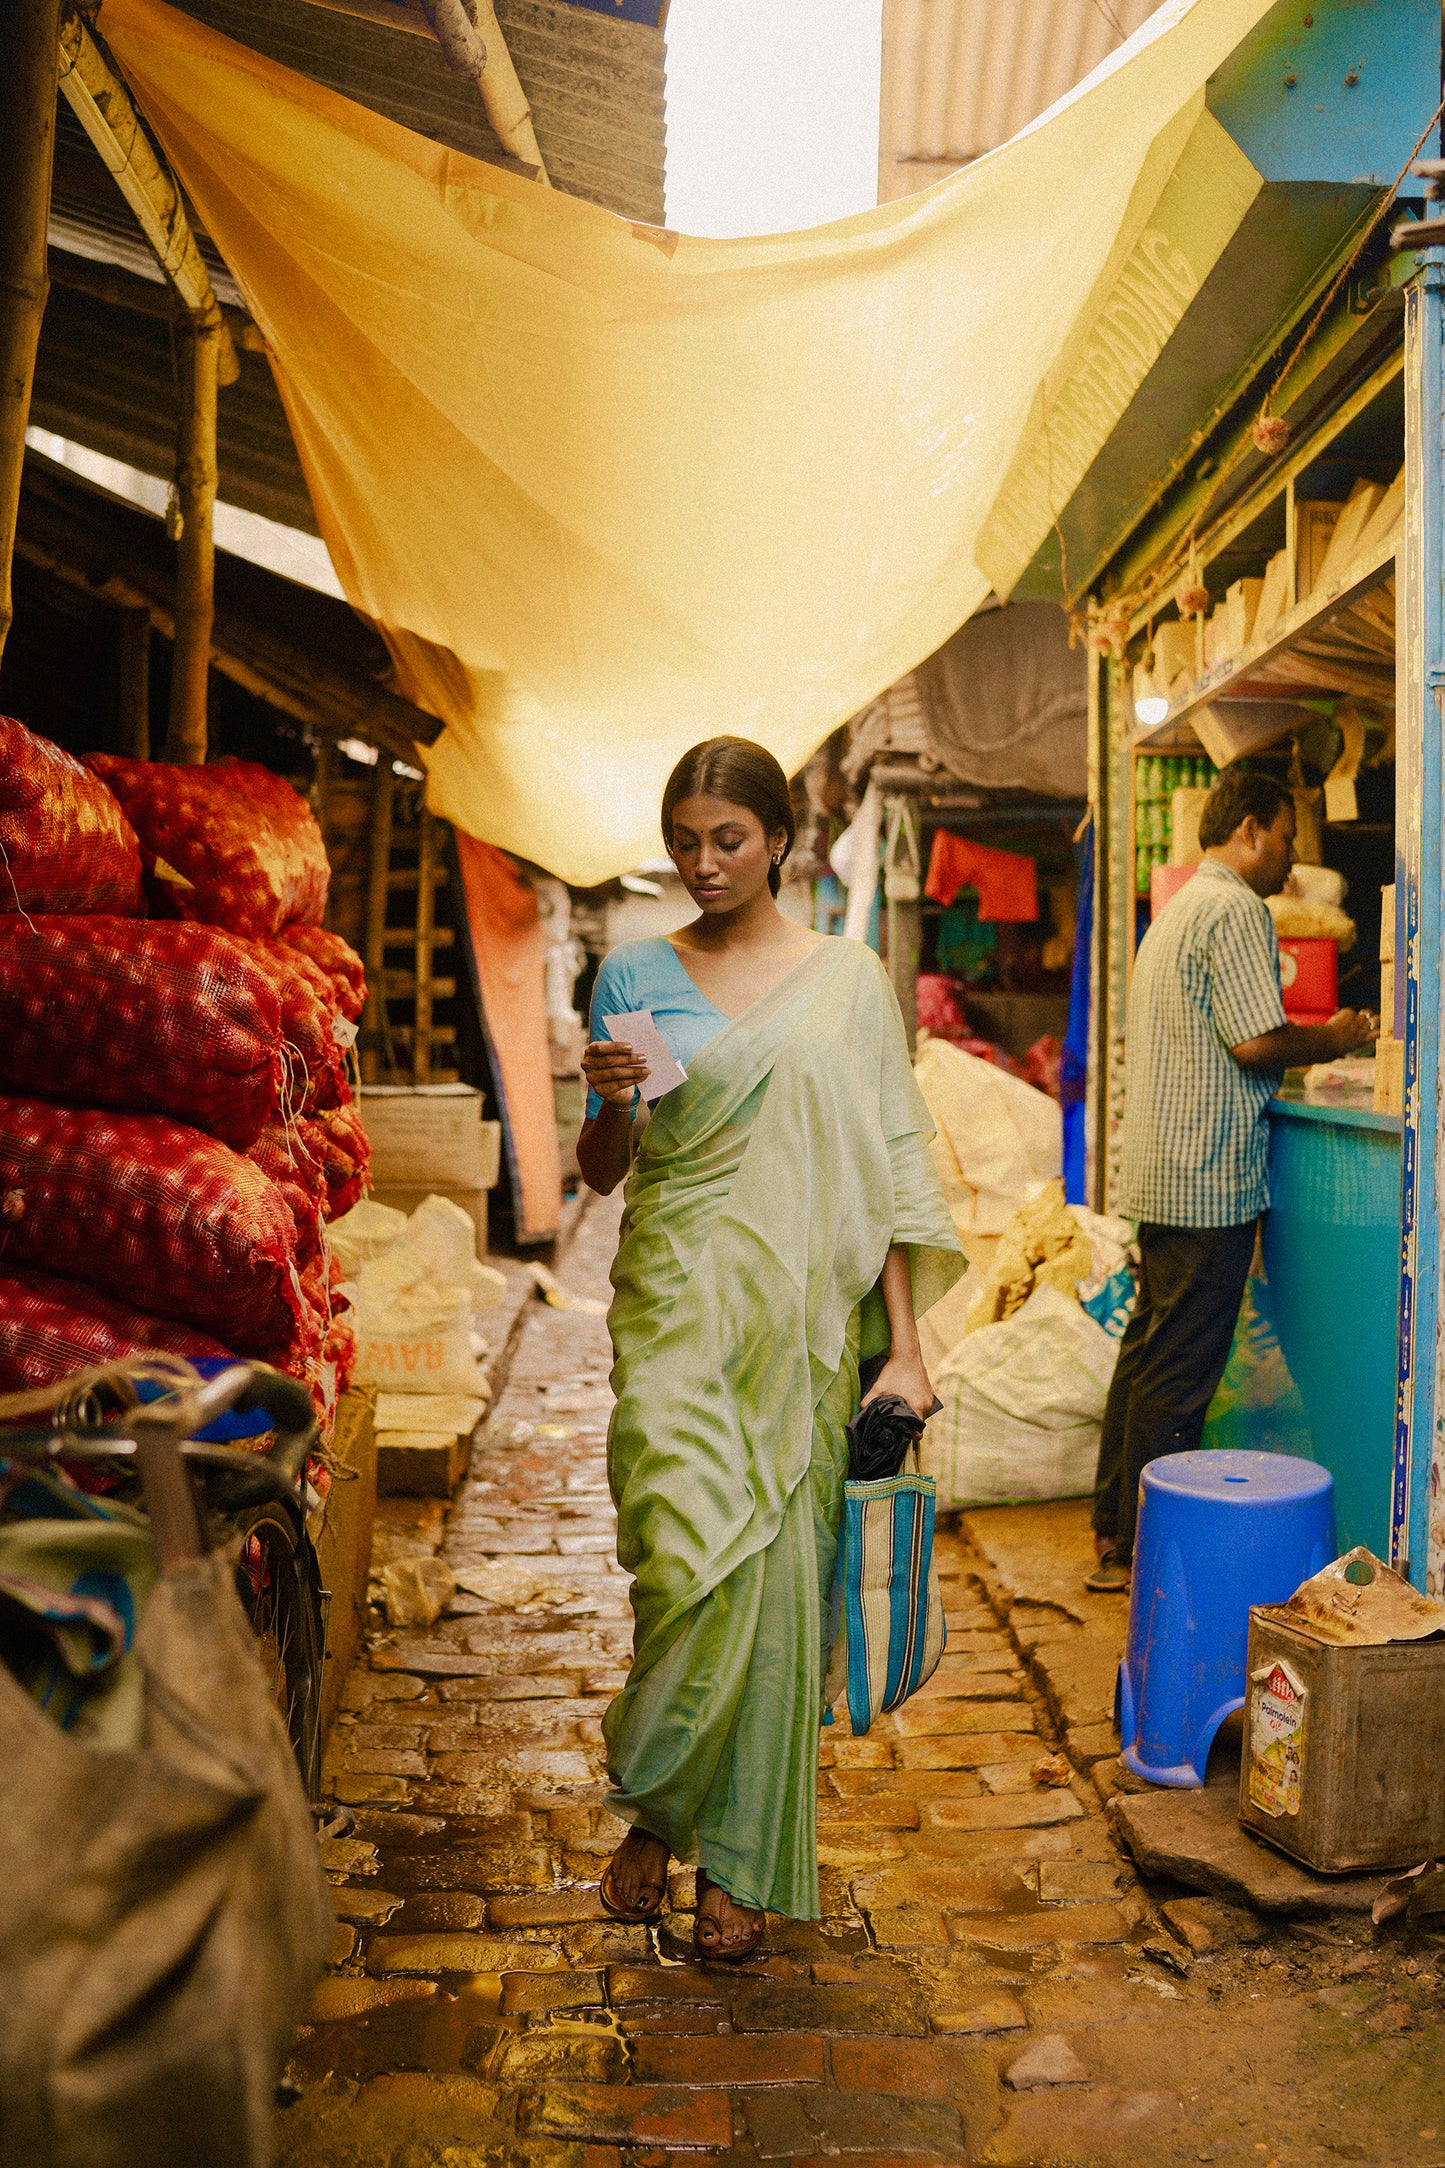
(1332, 1274)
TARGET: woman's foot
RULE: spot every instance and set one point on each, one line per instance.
(635, 1881)
(724, 1932)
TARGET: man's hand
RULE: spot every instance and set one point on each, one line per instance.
(1353, 1028)
(1295, 1046)
(614, 1072)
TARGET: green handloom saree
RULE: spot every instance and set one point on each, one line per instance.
(765, 1195)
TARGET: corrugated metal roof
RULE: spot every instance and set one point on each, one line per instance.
(105, 374)
(962, 76)
(105, 378)
(595, 86)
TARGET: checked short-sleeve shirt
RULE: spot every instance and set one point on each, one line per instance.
(1206, 978)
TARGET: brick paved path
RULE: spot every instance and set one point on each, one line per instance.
(980, 1987)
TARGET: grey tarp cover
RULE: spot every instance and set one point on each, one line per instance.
(1006, 701)
(163, 1915)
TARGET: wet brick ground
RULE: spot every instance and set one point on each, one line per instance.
(989, 1983)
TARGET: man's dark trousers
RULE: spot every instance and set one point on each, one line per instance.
(1191, 1283)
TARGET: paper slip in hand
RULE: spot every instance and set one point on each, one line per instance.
(638, 1029)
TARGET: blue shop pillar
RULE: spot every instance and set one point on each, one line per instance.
(1419, 814)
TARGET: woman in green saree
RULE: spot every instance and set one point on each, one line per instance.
(783, 1222)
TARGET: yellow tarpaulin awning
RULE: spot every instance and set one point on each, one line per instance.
(607, 490)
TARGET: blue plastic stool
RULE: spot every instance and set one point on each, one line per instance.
(1217, 1532)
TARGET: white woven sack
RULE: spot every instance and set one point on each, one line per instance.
(1022, 1406)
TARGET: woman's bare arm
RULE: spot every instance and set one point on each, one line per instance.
(904, 1372)
(604, 1149)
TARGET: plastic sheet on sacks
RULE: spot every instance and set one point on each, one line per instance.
(338, 959)
(152, 1213)
(141, 1014)
(65, 844)
(49, 1327)
(246, 846)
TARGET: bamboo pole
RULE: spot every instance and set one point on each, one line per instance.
(474, 45)
(503, 96)
(196, 482)
(134, 673)
(27, 148)
(102, 105)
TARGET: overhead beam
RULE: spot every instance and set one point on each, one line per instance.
(302, 682)
(142, 296)
(27, 150)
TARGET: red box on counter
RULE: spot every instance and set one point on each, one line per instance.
(1309, 975)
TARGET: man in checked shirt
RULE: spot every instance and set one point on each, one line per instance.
(1208, 1045)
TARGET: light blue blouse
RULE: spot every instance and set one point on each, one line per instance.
(651, 975)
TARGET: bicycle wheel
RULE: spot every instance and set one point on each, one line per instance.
(280, 1591)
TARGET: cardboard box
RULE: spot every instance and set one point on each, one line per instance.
(1274, 598)
(1241, 604)
(1315, 521)
(1387, 997)
(431, 1135)
(1186, 810)
(1175, 653)
(1227, 728)
(424, 1442)
(406, 1196)
(1387, 924)
(420, 1463)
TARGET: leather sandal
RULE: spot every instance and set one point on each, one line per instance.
(1111, 1576)
(717, 1947)
(639, 1914)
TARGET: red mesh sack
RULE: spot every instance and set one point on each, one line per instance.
(245, 844)
(65, 844)
(345, 1158)
(1043, 1063)
(338, 959)
(153, 1213)
(942, 1015)
(49, 1327)
(308, 1011)
(141, 1014)
(285, 1156)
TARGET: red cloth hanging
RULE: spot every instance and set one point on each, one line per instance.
(1007, 884)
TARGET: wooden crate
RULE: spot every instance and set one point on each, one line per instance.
(344, 1550)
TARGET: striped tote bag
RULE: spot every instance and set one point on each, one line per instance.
(887, 1613)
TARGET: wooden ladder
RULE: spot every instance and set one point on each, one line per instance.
(391, 898)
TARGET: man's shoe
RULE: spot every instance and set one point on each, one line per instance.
(1110, 1577)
